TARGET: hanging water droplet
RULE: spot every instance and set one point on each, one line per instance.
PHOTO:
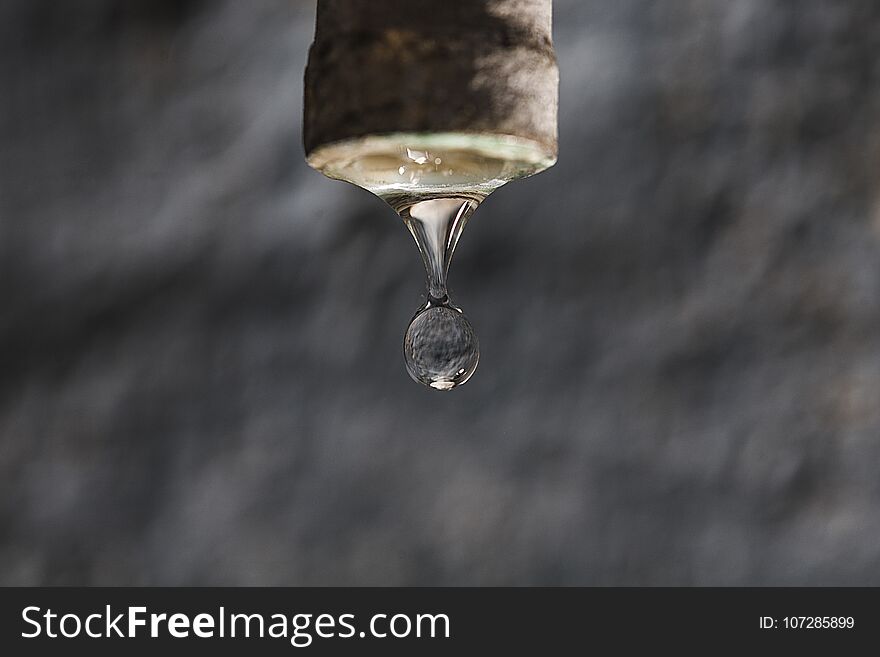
(440, 346)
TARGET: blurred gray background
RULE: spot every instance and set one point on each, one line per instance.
(201, 379)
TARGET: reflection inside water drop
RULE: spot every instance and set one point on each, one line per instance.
(440, 347)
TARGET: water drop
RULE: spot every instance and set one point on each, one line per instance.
(440, 346)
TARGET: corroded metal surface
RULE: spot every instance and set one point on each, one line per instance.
(428, 66)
